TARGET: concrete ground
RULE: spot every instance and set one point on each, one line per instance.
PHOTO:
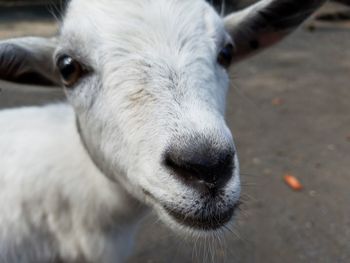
(289, 110)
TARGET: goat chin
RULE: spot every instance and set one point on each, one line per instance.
(193, 233)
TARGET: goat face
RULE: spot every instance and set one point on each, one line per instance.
(150, 103)
(148, 81)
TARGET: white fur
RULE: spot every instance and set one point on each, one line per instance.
(76, 180)
(54, 201)
(155, 80)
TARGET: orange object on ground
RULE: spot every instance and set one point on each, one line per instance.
(293, 182)
(277, 101)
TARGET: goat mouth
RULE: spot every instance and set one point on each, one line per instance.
(204, 223)
(200, 222)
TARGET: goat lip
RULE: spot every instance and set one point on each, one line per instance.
(207, 223)
(200, 223)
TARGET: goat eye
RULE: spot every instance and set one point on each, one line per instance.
(225, 56)
(70, 69)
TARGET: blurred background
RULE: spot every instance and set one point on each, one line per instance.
(289, 109)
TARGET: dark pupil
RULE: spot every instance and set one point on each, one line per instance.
(68, 68)
(225, 56)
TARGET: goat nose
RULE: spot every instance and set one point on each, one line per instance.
(210, 167)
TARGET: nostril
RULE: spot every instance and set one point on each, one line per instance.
(212, 168)
(179, 166)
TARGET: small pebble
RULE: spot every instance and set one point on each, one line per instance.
(312, 193)
(331, 147)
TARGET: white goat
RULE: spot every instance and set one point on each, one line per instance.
(146, 82)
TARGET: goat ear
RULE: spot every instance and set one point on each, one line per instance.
(28, 60)
(266, 23)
